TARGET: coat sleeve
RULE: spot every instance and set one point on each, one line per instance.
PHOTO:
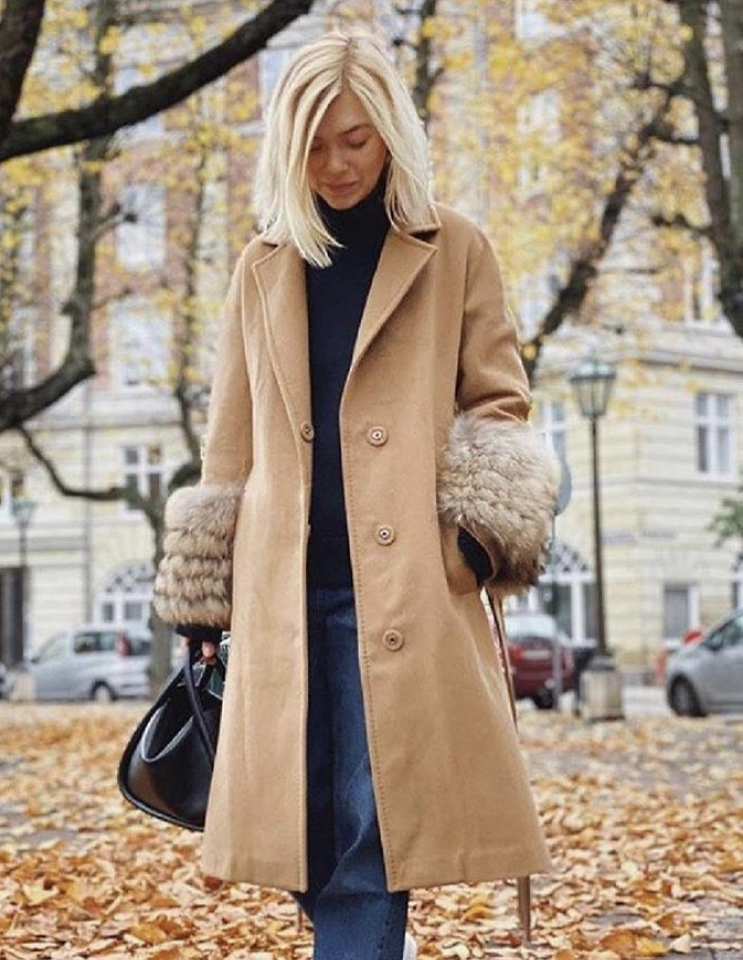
(193, 585)
(496, 477)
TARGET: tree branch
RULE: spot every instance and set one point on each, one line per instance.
(106, 495)
(107, 114)
(584, 268)
(681, 221)
(20, 25)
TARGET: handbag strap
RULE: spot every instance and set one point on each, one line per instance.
(523, 883)
(193, 691)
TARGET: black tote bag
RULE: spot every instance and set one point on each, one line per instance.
(167, 765)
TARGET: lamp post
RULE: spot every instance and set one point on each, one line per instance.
(592, 384)
(22, 510)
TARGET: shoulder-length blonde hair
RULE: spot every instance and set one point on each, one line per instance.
(283, 199)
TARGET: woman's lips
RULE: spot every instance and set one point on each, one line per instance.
(341, 187)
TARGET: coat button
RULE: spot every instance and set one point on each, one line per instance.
(376, 436)
(393, 639)
(307, 430)
(385, 534)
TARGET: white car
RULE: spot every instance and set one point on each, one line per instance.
(91, 662)
(707, 676)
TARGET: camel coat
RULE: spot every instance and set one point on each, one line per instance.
(433, 435)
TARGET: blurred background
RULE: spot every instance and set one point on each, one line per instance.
(600, 146)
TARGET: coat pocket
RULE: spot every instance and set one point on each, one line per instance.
(459, 574)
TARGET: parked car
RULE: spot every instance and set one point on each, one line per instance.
(91, 662)
(531, 639)
(707, 676)
(669, 647)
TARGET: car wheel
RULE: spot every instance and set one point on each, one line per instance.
(544, 700)
(102, 693)
(683, 699)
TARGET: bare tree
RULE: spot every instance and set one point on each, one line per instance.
(719, 139)
(19, 33)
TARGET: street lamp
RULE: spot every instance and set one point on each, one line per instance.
(22, 509)
(592, 384)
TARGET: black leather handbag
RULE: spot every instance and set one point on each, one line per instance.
(167, 765)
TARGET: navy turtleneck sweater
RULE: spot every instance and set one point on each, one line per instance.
(336, 296)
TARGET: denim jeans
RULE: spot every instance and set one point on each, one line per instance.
(353, 914)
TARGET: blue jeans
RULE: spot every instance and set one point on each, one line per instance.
(353, 914)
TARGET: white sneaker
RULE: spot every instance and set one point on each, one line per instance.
(411, 948)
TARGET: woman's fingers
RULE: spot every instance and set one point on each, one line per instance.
(208, 651)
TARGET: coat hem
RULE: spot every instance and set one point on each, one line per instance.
(432, 872)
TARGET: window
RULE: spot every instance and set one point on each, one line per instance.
(552, 426)
(737, 582)
(271, 62)
(140, 234)
(574, 599)
(680, 609)
(139, 344)
(18, 361)
(54, 648)
(143, 471)
(714, 434)
(701, 287)
(124, 599)
(538, 125)
(11, 486)
(729, 635)
(530, 23)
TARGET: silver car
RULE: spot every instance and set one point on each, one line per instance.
(707, 676)
(98, 662)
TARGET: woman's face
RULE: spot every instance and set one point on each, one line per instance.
(347, 154)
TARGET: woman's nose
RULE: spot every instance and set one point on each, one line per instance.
(336, 160)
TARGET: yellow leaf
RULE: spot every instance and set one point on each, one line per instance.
(35, 893)
(149, 932)
(650, 948)
(620, 941)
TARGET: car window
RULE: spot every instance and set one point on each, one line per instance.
(732, 633)
(139, 643)
(107, 641)
(54, 647)
(87, 641)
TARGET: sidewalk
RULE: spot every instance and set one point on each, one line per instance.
(642, 818)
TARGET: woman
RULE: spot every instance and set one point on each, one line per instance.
(367, 469)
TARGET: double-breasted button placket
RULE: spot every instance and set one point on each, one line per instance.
(307, 430)
(385, 534)
(393, 639)
(376, 436)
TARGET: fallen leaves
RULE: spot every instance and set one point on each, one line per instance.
(646, 837)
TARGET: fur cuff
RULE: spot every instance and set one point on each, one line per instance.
(194, 578)
(499, 479)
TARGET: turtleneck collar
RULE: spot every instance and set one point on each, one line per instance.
(365, 220)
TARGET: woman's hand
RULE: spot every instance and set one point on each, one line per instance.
(208, 652)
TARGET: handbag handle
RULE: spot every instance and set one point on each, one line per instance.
(523, 884)
(193, 691)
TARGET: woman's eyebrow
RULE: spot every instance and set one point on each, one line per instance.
(345, 133)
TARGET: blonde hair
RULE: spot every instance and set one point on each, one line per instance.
(284, 201)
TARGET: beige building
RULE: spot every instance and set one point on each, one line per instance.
(670, 444)
(670, 450)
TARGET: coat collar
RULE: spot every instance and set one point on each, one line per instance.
(280, 277)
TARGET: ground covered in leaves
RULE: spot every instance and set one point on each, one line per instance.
(644, 819)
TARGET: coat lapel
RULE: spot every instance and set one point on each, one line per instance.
(281, 281)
